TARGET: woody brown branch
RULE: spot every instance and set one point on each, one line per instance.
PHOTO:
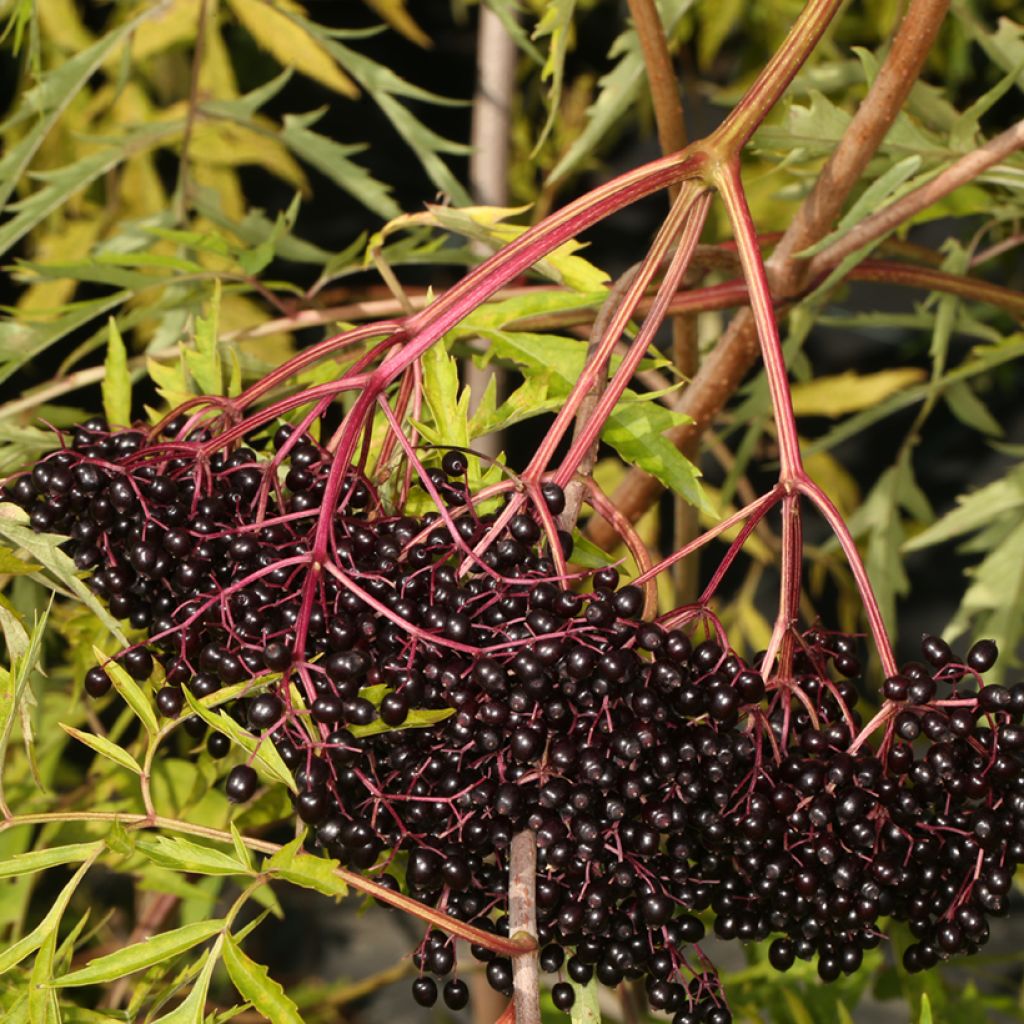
(728, 363)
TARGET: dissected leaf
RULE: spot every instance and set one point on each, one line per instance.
(255, 985)
(290, 44)
(156, 949)
(187, 855)
(294, 865)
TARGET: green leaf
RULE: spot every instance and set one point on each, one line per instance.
(203, 361)
(555, 24)
(255, 985)
(976, 510)
(48, 99)
(925, 1015)
(970, 410)
(12, 565)
(15, 694)
(156, 949)
(22, 343)
(617, 90)
(130, 691)
(104, 747)
(294, 865)
(17, 951)
(192, 1009)
(384, 86)
(117, 382)
(40, 860)
(45, 547)
(636, 430)
(418, 718)
(186, 855)
(265, 757)
(331, 158)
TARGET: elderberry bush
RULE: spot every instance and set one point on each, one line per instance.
(433, 702)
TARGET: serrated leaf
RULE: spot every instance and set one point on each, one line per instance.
(255, 985)
(563, 265)
(45, 547)
(17, 951)
(331, 158)
(40, 860)
(130, 691)
(384, 86)
(636, 430)
(15, 693)
(116, 385)
(192, 1009)
(104, 747)
(265, 758)
(975, 510)
(617, 91)
(185, 855)
(154, 950)
(555, 25)
(203, 361)
(48, 99)
(288, 42)
(847, 392)
(294, 865)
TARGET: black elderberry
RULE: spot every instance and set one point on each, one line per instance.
(218, 744)
(97, 682)
(456, 994)
(265, 711)
(241, 783)
(169, 701)
(563, 996)
(499, 976)
(936, 650)
(982, 655)
(424, 991)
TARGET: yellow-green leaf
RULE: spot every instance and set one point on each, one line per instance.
(130, 691)
(290, 45)
(140, 955)
(265, 758)
(117, 381)
(186, 855)
(848, 392)
(394, 12)
(299, 868)
(40, 860)
(255, 985)
(104, 748)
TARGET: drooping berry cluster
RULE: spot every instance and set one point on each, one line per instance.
(433, 702)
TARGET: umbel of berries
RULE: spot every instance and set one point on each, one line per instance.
(434, 696)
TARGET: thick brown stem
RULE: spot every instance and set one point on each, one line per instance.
(522, 924)
(736, 352)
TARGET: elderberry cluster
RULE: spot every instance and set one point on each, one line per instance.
(434, 698)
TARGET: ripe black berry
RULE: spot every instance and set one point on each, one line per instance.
(241, 783)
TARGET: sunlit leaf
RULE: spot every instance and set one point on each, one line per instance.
(156, 949)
